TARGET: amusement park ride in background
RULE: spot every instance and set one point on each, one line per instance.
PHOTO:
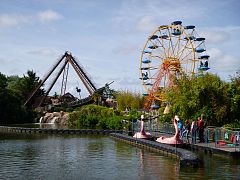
(64, 62)
(170, 52)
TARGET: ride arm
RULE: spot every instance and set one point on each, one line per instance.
(41, 82)
(82, 75)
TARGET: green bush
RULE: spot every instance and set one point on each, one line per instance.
(93, 116)
(234, 125)
(165, 118)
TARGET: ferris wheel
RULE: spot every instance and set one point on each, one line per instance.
(170, 52)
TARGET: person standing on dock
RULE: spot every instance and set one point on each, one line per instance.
(187, 130)
(180, 125)
(201, 129)
(194, 132)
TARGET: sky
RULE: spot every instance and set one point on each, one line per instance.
(107, 36)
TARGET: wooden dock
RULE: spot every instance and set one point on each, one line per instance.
(215, 148)
(56, 131)
(186, 157)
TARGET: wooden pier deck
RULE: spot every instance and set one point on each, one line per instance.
(186, 157)
(214, 148)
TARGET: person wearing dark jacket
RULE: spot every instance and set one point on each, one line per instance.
(201, 129)
(194, 132)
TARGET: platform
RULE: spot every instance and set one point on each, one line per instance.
(214, 148)
(186, 157)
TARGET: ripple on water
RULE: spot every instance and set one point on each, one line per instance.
(89, 157)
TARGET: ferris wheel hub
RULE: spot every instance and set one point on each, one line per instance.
(172, 64)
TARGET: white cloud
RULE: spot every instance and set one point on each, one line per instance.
(13, 20)
(145, 16)
(215, 37)
(222, 62)
(128, 85)
(49, 16)
(146, 24)
(44, 52)
(3, 61)
(127, 49)
(220, 35)
(16, 71)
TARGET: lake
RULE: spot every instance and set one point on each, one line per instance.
(98, 157)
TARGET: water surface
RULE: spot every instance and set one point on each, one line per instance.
(97, 157)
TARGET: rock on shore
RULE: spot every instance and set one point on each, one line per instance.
(55, 117)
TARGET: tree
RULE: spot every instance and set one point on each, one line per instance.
(126, 99)
(29, 83)
(234, 96)
(3, 98)
(205, 94)
(14, 87)
(14, 91)
(11, 110)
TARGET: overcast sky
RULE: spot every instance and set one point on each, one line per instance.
(107, 36)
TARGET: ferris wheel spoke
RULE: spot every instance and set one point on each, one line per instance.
(156, 45)
(180, 52)
(177, 44)
(170, 45)
(187, 52)
(185, 61)
(186, 55)
(199, 45)
(184, 46)
(157, 55)
(165, 40)
(154, 75)
(164, 49)
(158, 80)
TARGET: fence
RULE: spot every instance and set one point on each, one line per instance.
(222, 136)
(154, 127)
(219, 135)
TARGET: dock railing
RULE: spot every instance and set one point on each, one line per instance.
(219, 135)
(155, 128)
(222, 137)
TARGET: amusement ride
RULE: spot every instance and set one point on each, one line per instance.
(170, 52)
(61, 67)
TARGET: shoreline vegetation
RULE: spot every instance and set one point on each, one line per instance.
(203, 95)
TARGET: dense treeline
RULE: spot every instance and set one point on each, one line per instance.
(14, 91)
(207, 94)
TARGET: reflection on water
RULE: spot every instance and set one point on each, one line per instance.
(92, 157)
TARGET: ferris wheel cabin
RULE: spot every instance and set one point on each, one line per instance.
(189, 27)
(204, 62)
(177, 23)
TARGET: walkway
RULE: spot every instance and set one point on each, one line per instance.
(214, 148)
(229, 149)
